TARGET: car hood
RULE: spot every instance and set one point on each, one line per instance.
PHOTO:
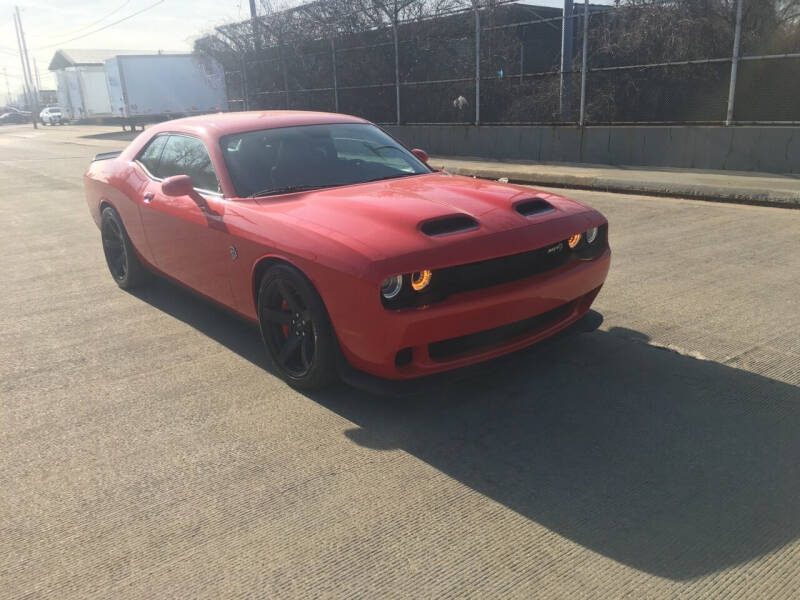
(385, 219)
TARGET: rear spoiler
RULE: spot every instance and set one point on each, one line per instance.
(106, 155)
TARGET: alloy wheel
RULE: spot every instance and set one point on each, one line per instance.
(289, 328)
(114, 249)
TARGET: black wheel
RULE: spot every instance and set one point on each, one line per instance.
(123, 263)
(297, 333)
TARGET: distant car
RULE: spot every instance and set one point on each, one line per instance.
(51, 116)
(352, 255)
(13, 117)
(27, 113)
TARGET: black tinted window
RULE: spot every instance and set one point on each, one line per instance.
(188, 156)
(150, 155)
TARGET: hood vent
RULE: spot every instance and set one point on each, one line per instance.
(448, 225)
(533, 206)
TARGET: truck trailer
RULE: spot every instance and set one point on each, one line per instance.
(83, 92)
(146, 88)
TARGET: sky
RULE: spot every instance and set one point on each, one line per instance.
(169, 25)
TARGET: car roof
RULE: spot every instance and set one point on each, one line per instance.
(220, 124)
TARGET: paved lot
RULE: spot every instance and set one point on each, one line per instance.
(146, 453)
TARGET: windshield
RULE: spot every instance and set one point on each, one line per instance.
(281, 160)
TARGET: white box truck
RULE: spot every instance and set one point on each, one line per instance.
(83, 92)
(152, 87)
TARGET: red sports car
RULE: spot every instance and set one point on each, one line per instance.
(352, 255)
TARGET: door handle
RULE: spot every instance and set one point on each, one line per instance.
(148, 197)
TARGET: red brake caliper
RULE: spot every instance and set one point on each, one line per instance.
(285, 328)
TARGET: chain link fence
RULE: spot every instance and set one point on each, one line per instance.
(481, 62)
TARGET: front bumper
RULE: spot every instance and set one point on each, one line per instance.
(475, 326)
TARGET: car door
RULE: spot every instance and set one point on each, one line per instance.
(187, 234)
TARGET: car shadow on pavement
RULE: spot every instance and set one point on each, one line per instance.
(123, 136)
(672, 465)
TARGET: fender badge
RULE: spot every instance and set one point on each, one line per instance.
(234, 252)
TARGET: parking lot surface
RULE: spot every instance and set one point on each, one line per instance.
(145, 452)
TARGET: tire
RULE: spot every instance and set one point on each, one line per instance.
(297, 333)
(121, 258)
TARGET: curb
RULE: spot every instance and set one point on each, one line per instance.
(694, 191)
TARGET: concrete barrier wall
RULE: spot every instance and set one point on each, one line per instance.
(765, 149)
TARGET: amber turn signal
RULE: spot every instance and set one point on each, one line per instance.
(420, 280)
(573, 240)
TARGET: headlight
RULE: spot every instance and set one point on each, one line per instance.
(421, 279)
(391, 286)
(574, 240)
(591, 235)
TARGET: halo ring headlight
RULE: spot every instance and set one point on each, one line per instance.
(391, 286)
(421, 279)
(574, 240)
(591, 235)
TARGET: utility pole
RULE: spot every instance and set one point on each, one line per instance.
(25, 90)
(8, 87)
(35, 111)
(36, 72)
(254, 24)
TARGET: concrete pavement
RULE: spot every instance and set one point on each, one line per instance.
(722, 186)
(146, 453)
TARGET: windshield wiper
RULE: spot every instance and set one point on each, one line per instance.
(395, 176)
(285, 190)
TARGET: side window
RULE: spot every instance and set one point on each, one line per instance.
(152, 153)
(185, 155)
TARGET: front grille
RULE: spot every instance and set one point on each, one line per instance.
(482, 340)
(496, 271)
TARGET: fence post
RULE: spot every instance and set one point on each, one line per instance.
(737, 39)
(477, 62)
(566, 60)
(282, 57)
(396, 69)
(584, 62)
(245, 103)
(335, 81)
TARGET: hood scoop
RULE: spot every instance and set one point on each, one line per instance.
(533, 206)
(448, 225)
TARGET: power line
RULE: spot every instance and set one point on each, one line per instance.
(93, 23)
(101, 28)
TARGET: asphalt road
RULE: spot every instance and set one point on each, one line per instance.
(145, 452)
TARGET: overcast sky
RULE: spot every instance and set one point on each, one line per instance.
(171, 25)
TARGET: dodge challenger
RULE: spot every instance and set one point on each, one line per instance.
(348, 251)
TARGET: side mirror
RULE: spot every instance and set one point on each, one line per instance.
(178, 185)
(421, 154)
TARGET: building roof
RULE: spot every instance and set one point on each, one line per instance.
(77, 58)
